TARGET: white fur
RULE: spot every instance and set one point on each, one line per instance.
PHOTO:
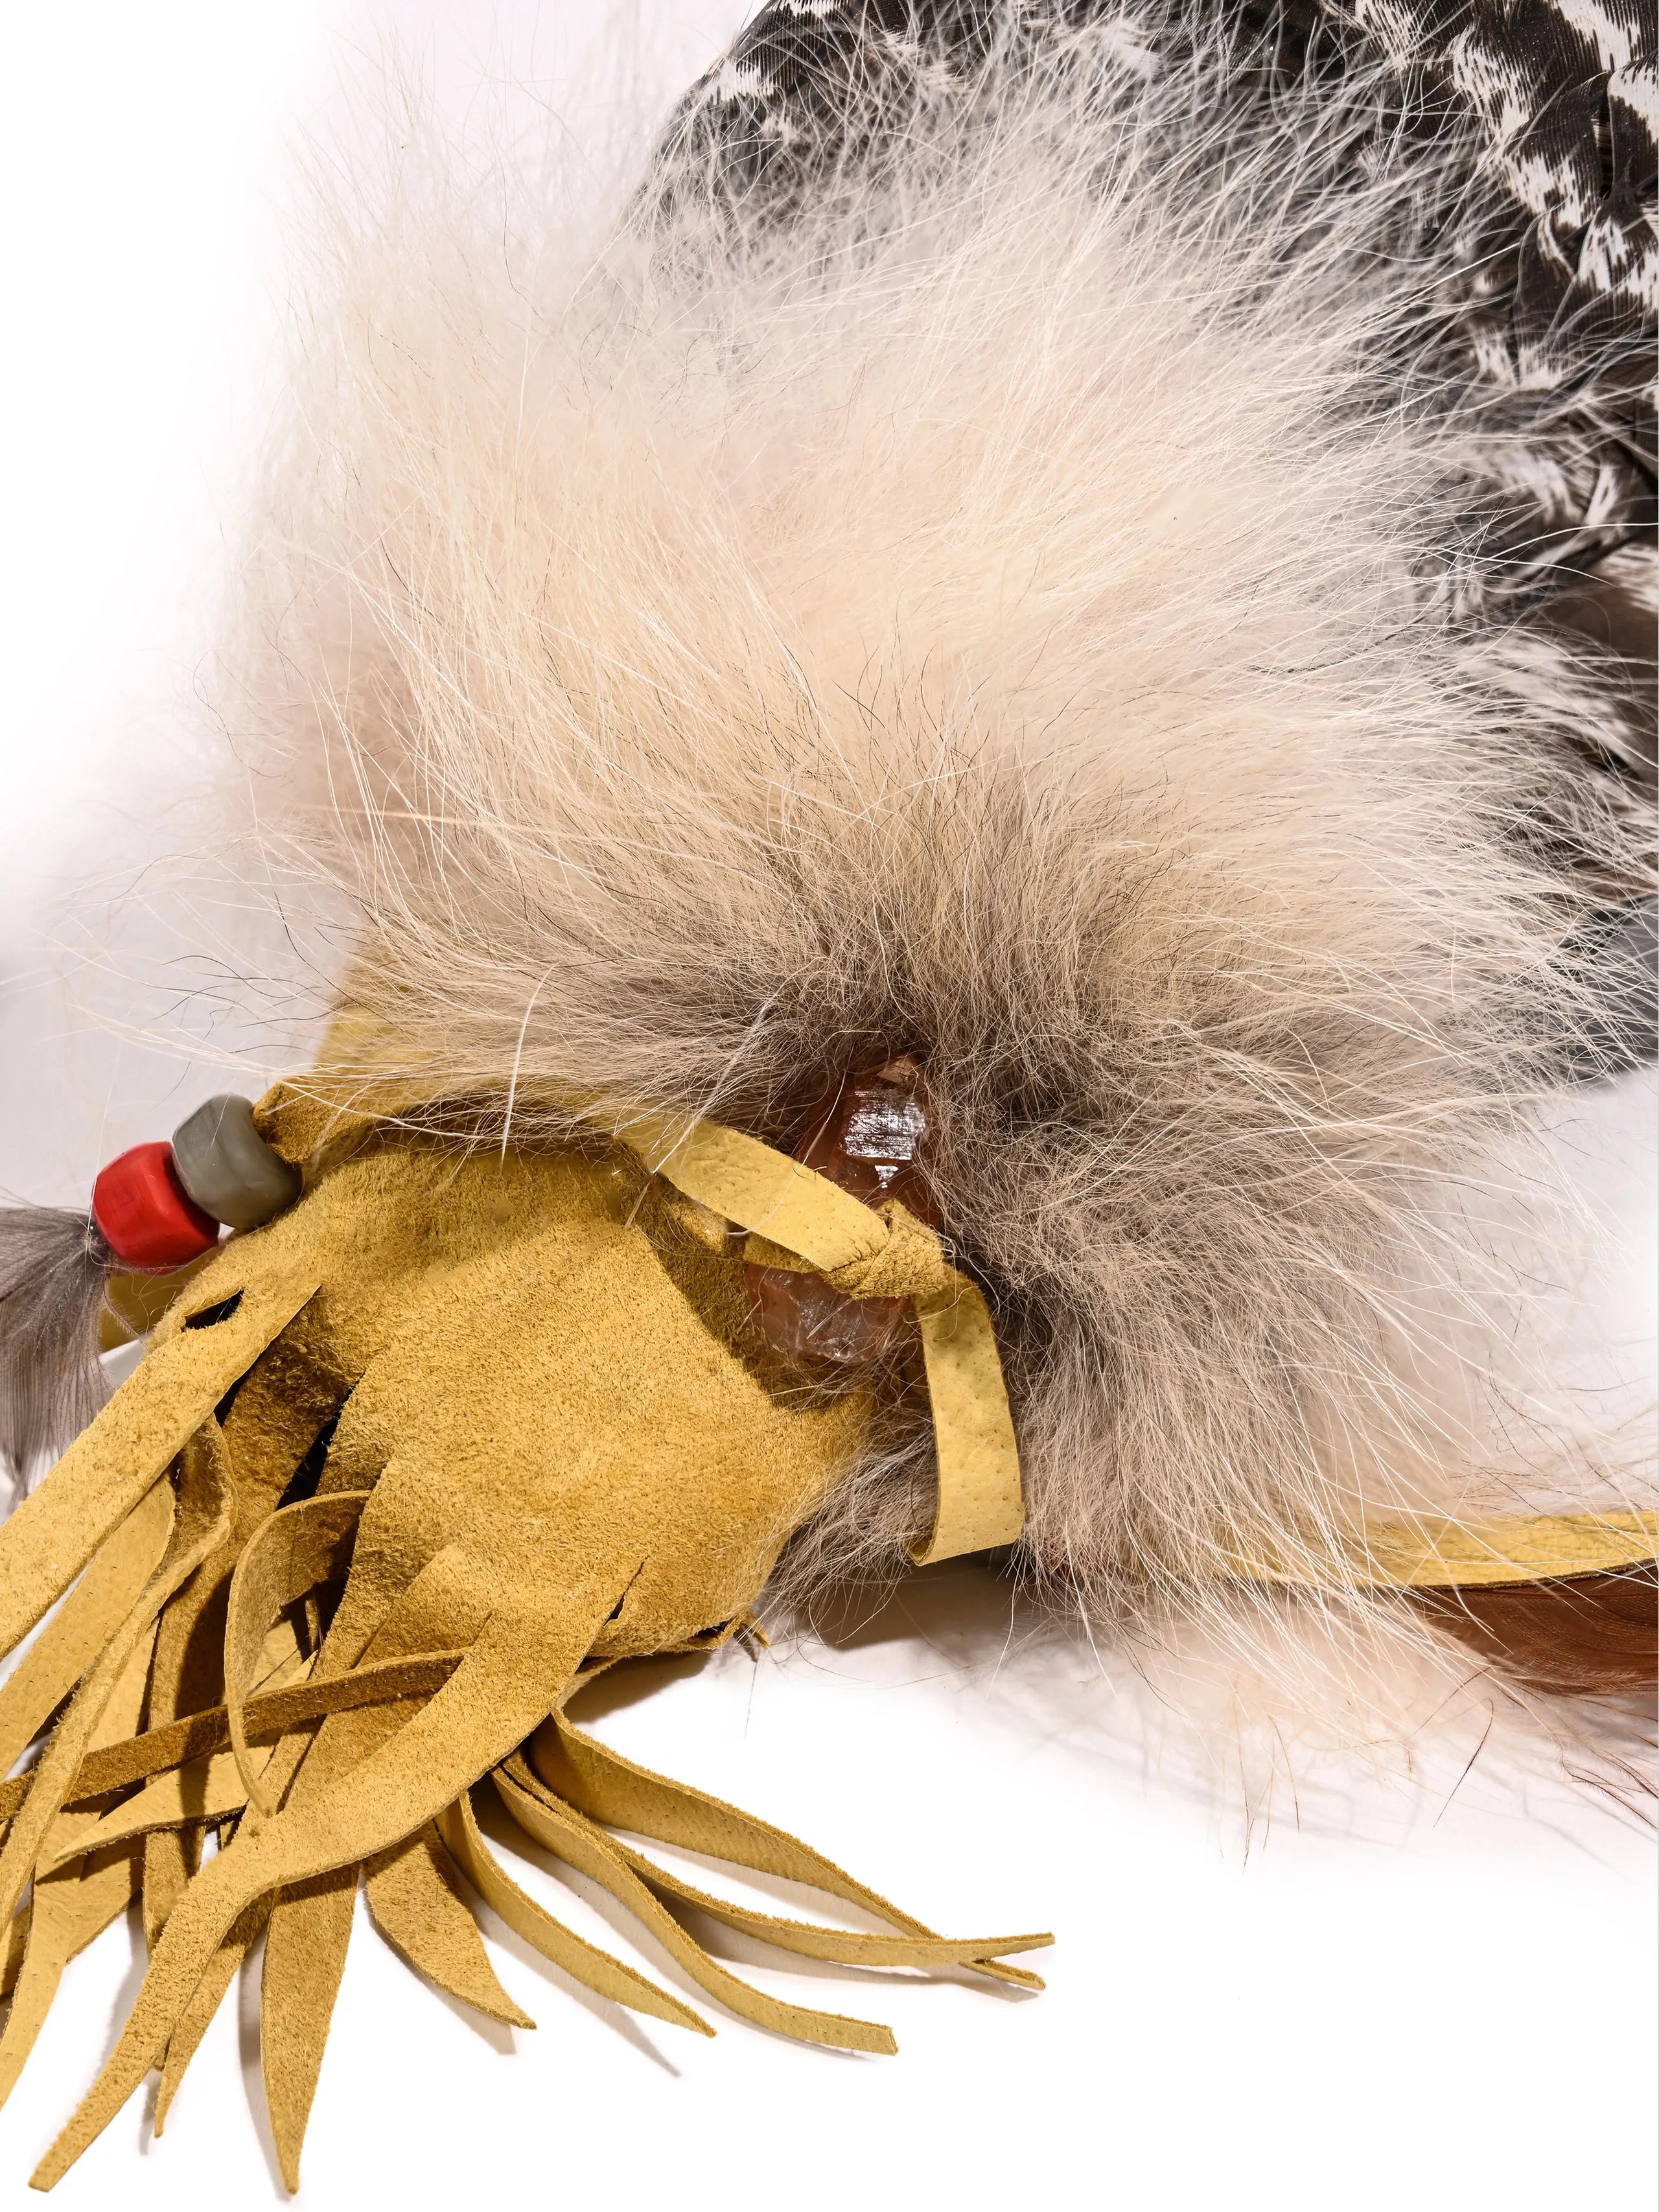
(999, 613)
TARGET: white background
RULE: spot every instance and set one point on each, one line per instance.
(1371, 1991)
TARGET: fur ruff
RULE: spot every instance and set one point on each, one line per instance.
(1004, 614)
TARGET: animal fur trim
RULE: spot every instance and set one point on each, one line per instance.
(1001, 615)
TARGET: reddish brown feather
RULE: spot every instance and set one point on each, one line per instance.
(1588, 1636)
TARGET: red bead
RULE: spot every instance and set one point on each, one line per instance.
(146, 1216)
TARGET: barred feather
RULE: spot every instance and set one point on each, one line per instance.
(53, 1269)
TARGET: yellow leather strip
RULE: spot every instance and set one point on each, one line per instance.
(66, 1914)
(807, 1218)
(17, 1942)
(808, 1939)
(583, 1961)
(306, 1944)
(200, 1522)
(280, 1645)
(599, 1782)
(563, 1831)
(133, 1304)
(289, 1554)
(67, 1911)
(414, 1893)
(1436, 1555)
(200, 1791)
(794, 1207)
(310, 1926)
(760, 1189)
(82, 1625)
(205, 2000)
(980, 1502)
(115, 1461)
(506, 1683)
(271, 1713)
(866, 1253)
(297, 1118)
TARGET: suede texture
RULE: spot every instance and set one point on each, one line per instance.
(399, 1475)
(542, 1435)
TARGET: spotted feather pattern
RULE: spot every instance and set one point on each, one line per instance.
(1543, 112)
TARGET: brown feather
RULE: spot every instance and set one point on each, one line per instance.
(1594, 1635)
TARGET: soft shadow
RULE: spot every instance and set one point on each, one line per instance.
(957, 1601)
(131, 1981)
(506, 1830)
(499, 1829)
(496, 2032)
(632, 1681)
(247, 2047)
(736, 1947)
(733, 1947)
(121, 2004)
(728, 1945)
(800, 1897)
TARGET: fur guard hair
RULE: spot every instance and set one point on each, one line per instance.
(1004, 614)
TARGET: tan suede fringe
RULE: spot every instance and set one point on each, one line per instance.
(542, 1436)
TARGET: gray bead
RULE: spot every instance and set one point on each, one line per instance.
(228, 1168)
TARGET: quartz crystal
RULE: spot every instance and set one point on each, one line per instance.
(867, 1137)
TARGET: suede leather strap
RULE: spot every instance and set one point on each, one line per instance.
(796, 1217)
(795, 1214)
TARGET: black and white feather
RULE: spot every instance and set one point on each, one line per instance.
(1541, 116)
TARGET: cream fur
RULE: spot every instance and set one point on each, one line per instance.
(999, 613)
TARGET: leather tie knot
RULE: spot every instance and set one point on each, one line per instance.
(910, 1264)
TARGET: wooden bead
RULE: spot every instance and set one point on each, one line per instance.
(146, 1216)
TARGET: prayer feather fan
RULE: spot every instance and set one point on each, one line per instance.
(965, 853)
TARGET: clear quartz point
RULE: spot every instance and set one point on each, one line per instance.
(867, 1139)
